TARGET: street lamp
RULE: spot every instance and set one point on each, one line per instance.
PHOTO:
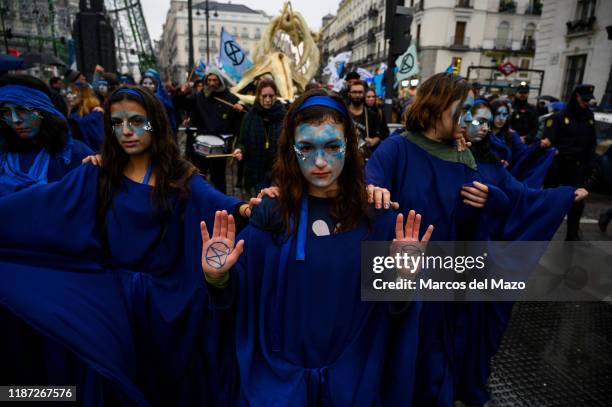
(3, 10)
(190, 32)
(207, 15)
(493, 64)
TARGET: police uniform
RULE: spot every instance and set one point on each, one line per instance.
(524, 117)
(572, 132)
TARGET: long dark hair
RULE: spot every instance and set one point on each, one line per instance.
(482, 150)
(172, 172)
(53, 133)
(350, 204)
(504, 131)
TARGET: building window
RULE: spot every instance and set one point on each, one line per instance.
(418, 36)
(529, 38)
(524, 64)
(585, 9)
(503, 36)
(459, 38)
(574, 73)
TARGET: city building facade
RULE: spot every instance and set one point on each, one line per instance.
(37, 26)
(245, 24)
(573, 45)
(358, 27)
(486, 33)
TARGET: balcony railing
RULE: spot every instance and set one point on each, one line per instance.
(534, 9)
(528, 44)
(464, 4)
(580, 26)
(459, 42)
(507, 6)
(502, 43)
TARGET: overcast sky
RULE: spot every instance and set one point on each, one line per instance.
(312, 10)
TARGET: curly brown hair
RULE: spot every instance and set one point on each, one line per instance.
(350, 204)
(172, 173)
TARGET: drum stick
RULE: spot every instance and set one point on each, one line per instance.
(218, 155)
(225, 102)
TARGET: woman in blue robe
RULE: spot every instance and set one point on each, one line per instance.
(152, 81)
(35, 142)
(36, 148)
(303, 335)
(528, 164)
(518, 213)
(106, 262)
(424, 170)
(86, 116)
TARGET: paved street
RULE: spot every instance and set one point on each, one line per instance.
(558, 354)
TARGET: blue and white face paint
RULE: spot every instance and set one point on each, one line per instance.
(150, 84)
(466, 118)
(135, 122)
(480, 124)
(25, 121)
(131, 126)
(501, 117)
(320, 150)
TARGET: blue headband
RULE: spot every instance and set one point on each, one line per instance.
(325, 101)
(130, 92)
(30, 98)
(481, 101)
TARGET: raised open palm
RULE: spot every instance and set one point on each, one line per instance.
(407, 238)
(218, 251)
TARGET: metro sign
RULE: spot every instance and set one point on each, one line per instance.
(507, 68)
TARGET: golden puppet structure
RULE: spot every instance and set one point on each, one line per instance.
(287, 53)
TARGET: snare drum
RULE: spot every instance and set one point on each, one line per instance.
(208, 145)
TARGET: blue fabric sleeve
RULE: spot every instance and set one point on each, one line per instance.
(379, 169)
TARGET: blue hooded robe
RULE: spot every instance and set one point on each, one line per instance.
(22, 169)
(303, 335)
(130, 303)
(164, 98)
(528, 164)
(419, 180)
(517, 213)
(90, 127)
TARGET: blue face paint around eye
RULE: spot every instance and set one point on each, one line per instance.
(502, 115)
(136, 123)
(479, 125)
(320, 151)
(25, 121)
(469, 102)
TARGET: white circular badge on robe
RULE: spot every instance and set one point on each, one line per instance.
(320, 228)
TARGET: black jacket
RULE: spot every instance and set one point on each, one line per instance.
(524, 119)
(572, 132)
(211, 116)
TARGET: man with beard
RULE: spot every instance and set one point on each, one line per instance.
(365, 120)
(524, 118)
(216, 111)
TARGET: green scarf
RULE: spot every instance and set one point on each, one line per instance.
(443, 151)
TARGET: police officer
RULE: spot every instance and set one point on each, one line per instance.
(524, 117)
(572, 132)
